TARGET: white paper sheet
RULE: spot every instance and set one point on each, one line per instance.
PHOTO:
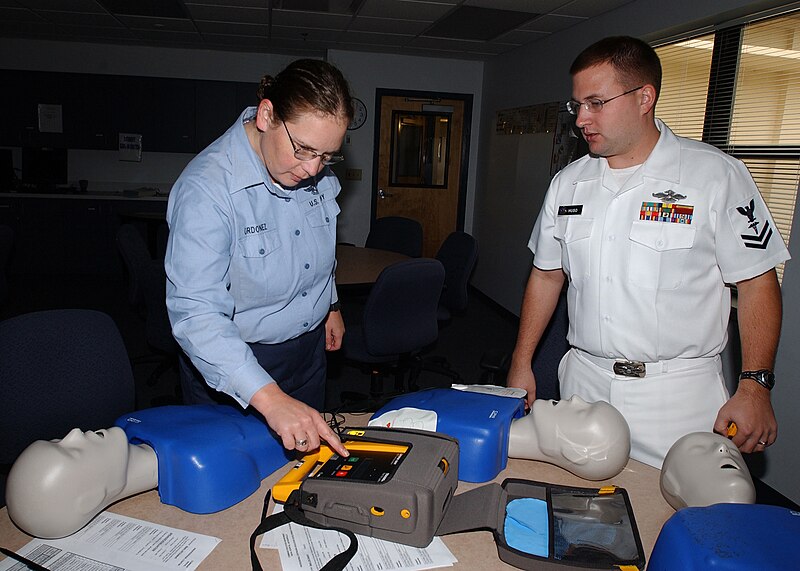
(306, 549)
(113, 542)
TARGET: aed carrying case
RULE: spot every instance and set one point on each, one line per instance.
(547, 527)
(396, 484)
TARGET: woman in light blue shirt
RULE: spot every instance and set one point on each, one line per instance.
(250, 261)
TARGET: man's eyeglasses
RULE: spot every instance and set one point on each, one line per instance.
(594, 105)
(304, 154)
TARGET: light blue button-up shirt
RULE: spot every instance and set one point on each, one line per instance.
(247, 260)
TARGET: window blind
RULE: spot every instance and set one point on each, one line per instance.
(738, 89)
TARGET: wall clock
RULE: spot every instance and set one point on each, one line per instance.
(359, 114)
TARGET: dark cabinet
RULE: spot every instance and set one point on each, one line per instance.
(73, 236)
(172, 115)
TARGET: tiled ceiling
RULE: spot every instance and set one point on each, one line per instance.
(465, 29)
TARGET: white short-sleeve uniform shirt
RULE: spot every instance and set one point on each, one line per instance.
(648, 263)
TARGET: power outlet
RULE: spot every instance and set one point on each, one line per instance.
(352, 174)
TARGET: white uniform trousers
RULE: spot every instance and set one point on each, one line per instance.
(674, 398)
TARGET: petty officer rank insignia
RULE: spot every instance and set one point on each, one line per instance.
(666, 212)
(754, 227)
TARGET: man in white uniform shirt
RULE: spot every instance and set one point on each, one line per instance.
(647, 230)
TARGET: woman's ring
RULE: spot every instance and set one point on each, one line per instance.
(302, 442)
(762, 443)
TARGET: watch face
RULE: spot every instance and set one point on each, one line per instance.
(359, 114)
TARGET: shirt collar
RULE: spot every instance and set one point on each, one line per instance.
(662, 164)
(248, 169)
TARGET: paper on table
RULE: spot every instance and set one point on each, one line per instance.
(512, 392)
(302, 548)
(113, 542)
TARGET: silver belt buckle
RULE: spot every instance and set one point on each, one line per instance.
(630, 369)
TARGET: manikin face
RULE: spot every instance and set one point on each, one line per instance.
(581, 432)
(704, 468)
(67, 481)
(318, 132)
(614, 131)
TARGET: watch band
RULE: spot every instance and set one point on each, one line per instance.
(336, 306)
(763, 377)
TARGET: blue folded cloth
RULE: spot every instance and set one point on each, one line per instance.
(526, 527)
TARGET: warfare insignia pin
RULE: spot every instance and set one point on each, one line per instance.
(668, 196)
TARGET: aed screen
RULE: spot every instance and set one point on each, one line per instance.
(362, 466)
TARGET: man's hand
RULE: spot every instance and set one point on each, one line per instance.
(334, 331)
(520, 375)
(751, 409)
(300, 427)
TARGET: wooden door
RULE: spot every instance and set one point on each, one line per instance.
(423, 176)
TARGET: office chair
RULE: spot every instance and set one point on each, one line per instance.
(6, 243)
(59, 369)
(147, 290)
(458, 254)
(398, 321)
(396, 234)
(551, 348)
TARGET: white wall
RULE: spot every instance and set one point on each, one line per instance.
(367, 72)
(513, 175)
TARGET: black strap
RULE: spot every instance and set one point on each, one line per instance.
(292, 513)
(24, 560)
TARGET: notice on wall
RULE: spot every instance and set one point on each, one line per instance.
(540, 118)
(130, 147)
(50, 118)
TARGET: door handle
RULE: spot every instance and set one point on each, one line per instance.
(382, 194)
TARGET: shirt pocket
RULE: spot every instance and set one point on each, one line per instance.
(658, 254)
(574, 234)
(256, 265)
(322, 221)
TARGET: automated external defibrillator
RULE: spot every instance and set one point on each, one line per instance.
(399, 485)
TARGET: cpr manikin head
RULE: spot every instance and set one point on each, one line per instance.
(705, 468)
(56, 487)
(591, 440)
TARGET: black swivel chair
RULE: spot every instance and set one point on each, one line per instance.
(147, 290)
(458, 254)
(59, 369)
(398, 321)
(6, 242)
(396, 234)
(552, 347)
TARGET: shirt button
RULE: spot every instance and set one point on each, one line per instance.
(609, 279)
(261, 251)
(660, 243)
(307, 266)
(611, 238)
(297, 232)
(327, 219)
(305, 324)
(237, 394)
(606, 318)
(305, 293)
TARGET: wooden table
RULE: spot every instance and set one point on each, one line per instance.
(474, 550)
(362, 266)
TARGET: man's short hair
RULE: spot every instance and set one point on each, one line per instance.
(635, 62)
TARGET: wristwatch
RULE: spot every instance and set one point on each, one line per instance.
(336, 306)
(763, 377)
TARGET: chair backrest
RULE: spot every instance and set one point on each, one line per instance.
(400, 312)
(396, 234)
(6, 242)
(60, 369)
(148, 280)
(458, 254)
(551, 348)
